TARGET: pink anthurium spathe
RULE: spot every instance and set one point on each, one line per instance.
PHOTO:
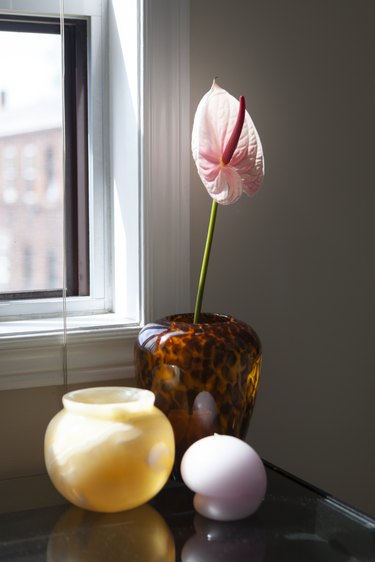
(229, 158)
(222, 127)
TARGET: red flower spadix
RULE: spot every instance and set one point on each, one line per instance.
(226, 147)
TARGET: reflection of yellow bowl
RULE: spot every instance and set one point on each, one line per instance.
(138, 534)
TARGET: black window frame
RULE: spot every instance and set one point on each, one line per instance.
(76, 204)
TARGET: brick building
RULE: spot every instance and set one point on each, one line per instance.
(31, 198)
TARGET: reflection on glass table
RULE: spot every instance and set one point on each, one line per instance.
(294, 523)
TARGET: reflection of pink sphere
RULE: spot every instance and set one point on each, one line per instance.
(199, 549)
(227, 475)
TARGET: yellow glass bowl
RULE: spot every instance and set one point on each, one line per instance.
(109, 449)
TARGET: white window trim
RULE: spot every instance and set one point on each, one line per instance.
(100, 297)
(100, 347)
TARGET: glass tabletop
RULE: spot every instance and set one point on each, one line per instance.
(294, 523)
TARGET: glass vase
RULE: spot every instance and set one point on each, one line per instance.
(109, 449)
(204, 376)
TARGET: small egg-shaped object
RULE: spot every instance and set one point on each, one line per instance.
(227, 475)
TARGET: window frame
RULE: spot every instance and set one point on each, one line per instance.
(14, 312)
(144, 175)
(75, 208)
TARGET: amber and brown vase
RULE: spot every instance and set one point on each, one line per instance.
(204, 376)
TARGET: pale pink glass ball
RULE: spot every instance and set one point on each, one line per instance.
(227, 475)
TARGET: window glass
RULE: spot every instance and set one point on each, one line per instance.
(31, 186)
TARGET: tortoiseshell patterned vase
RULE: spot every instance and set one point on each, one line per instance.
(205, 376)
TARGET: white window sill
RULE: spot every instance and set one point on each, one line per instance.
(99, 348)
(17, 329)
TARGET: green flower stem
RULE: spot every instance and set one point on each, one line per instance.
(206, 257)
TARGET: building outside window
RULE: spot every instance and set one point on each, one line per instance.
(51, 156)
(29, 173)
(9, 171)
(31, 206)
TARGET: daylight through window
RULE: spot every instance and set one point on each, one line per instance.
(32, 203)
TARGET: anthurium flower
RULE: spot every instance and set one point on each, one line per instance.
(229, 158)
(226, 147)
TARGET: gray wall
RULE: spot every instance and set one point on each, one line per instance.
(297, 260)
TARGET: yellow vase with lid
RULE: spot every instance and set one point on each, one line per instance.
(109, 449)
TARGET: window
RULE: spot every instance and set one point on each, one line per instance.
(4, 259)
(138, 206)
(32, 112)
(51, 268)
(9, 173)
(27, 267)
(28, 173)
(51, 176)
